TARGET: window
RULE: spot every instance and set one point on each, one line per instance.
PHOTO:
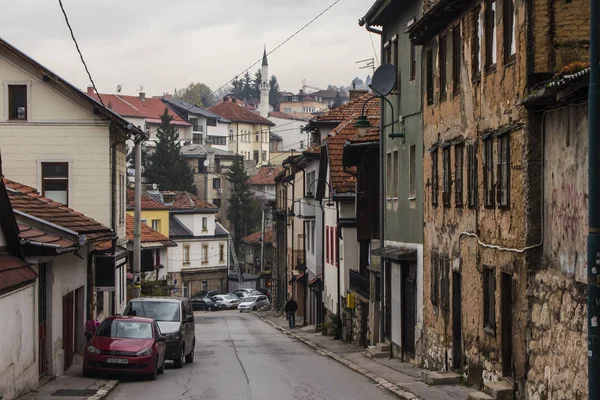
(204, 286)
(312, 230)
(255, 155)
(395, 55)
(504, 170)
(443, 72)
(204, 224)
(256, 137)
(444, 282)
(196, 138)
(216, 183)
(488, 173)
(217, 202)
(201, 167)
(55, 181)
(412, 160)
(446, 177)
(264, 156)
(218, 140)
(434, 178)
(122, 197)
(395, 173)
(194, 122)
(435, 274)
(476, 47)
(489, 300)
(310, 178)
(221, 252)
(490, 35)
(456, 59)
(287, 110)
(472, 174)
(186, 253)
(211, 122)
(156, 224)
(388, 53)
(204, 253)
(510, 48)
(458, 174)
(294, 98)
(17, 102)
(413, 62)
(429, 61)
(231, 135)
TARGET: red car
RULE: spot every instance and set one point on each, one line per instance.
(126, 345)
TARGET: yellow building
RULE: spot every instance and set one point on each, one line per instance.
(154, 213)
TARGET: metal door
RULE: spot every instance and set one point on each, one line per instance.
(409, 308)
(506, 292)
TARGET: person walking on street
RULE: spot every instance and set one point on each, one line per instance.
(290, 311)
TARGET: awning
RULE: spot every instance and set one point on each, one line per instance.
(395, 253)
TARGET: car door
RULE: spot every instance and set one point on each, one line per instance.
(160, 345)
(189, 326)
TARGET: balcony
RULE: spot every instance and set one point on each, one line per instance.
(360, 284)
(304, 209)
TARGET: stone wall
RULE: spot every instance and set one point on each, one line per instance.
(558, 338)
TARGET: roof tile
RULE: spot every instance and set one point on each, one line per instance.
(265, 176)
(148, 235)
(236, 113)
(255, 237)
(14, 272)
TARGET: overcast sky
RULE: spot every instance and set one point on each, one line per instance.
(162, 45)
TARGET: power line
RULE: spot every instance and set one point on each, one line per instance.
(79, 51)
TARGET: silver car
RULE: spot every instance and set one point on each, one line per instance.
(253, 303)
(226, 301)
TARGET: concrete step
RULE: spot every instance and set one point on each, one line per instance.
(374, 352)
(383, 346)
(499, 390)
(479, 396)
(434, 378)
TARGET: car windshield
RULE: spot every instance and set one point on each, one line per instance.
(125, 329)
(231, 297)
(250, 299)
(160, 311)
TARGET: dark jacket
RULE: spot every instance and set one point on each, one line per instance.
(291, 306)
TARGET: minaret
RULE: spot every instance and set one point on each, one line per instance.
(265, 87)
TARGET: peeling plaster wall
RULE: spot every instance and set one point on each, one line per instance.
(484, 103)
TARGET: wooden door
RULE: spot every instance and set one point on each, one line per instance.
(42, 321)
(68, 329)
(409, 308)
(506, 293)
(456, 321)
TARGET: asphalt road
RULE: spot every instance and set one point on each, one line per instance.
(238, 356)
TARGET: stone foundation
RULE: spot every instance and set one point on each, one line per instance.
(558, 338)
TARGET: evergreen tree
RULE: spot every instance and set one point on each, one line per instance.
(256, 84)
(166, 167)
(274, 93)
(247, 86)
(338, 100)
(131, 158)
(244, 208)
(237, 88)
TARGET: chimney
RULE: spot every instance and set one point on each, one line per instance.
(210, 154)
(354, 93)
(142, 96)
(90, 90)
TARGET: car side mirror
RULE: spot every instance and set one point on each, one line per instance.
(89, 335)
(189, 318)
(161, 338)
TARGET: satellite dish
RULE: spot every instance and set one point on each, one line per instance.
(205, 163)
(384, 79)
(154, 186)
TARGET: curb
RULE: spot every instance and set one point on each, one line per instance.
(384, 383)
(104, 391)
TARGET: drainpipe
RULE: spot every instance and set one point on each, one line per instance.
(593, 244)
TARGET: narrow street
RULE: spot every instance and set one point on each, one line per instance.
(238, 356)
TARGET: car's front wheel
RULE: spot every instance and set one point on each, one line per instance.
(180, 356)
(190, 357)
(153, 374)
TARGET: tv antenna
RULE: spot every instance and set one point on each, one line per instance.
(367, 63)
(141, 89)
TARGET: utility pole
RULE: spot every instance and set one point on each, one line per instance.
(262, 242)
(137, 211)
(593, 244)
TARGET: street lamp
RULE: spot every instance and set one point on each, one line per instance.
(327, 183)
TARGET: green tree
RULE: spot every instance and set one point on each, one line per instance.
(196, 93)
(256, 84)
(237, 88)
(274, 93)
(247, 86)
(244, 208)
(338, 100)
(131, 158)
(166, 167)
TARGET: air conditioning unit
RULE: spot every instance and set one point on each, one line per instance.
(220, 191)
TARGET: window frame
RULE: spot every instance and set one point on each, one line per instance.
(430, 75)
(43, 178)
(472, 175)
(491, 33)
(456, 58)
(27, 86)
(443, 66)
(446, 177)
(444, 282)
(434, 275)
(204, 224)
(503, 171)
(186, 254)
(221, 252)
(157, 228)
(216, 183)
(489, 300)
(459, 165)
(476, 42)
(508, 21)
(204, 253)
(488, 172)
(435, 178)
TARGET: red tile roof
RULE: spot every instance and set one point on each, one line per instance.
(29, 233)
(25, 199)
(236, 113)
(148, 235)
(353, 107)
(255, 237)
(341, 181)
(14, 272)
(132, 106)
(265, 176)
(148, 203)
(185, 200)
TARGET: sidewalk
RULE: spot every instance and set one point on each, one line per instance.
(402, 379)
(73, 386)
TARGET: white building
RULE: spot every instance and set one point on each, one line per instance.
(291, 130)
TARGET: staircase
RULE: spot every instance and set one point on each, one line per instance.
(236, 265)
(499, 390)
(380, 350)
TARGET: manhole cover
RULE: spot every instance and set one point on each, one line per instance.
(204, 353)
(74, 392)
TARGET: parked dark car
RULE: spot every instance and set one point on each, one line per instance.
(126, 345)
(203, 304)
(175, 318)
